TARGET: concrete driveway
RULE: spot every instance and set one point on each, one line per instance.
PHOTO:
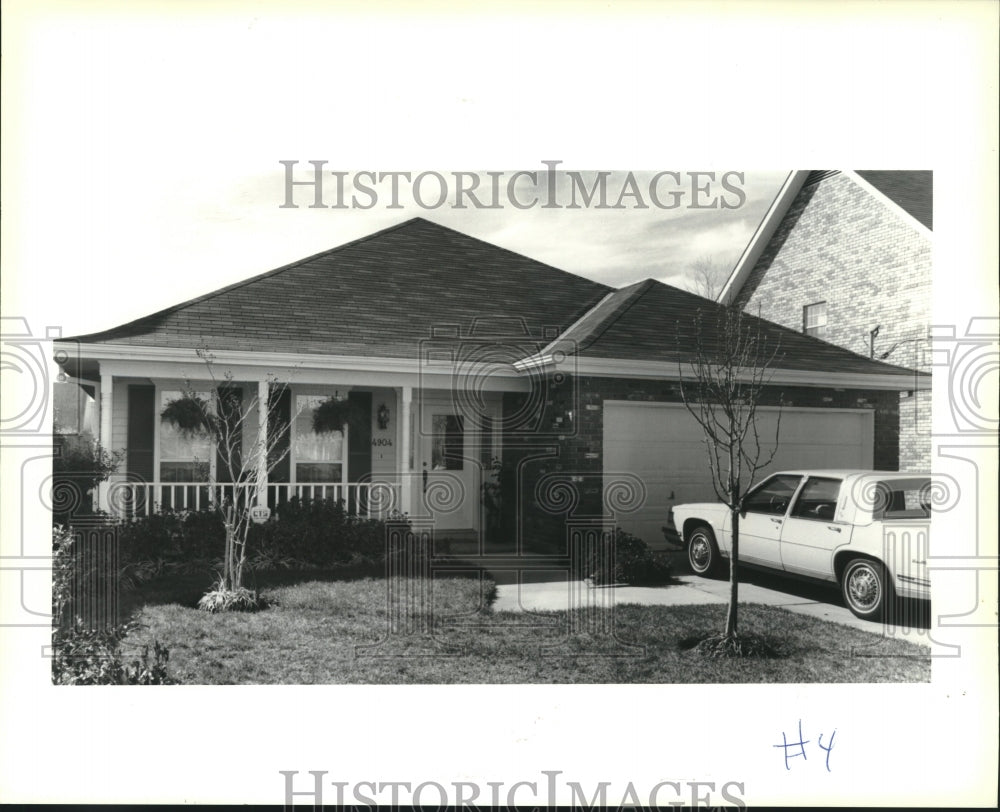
(541, 590)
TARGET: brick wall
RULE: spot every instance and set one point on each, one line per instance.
(872, 267)
(914, 432)
(542, 455)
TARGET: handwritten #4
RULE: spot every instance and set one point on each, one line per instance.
(801, 745)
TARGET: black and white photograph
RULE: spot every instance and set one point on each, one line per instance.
(413, 408)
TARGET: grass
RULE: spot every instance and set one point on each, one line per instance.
(313, 632)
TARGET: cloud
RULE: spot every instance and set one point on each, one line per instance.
(225, 228)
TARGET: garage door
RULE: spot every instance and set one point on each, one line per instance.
(663, 445)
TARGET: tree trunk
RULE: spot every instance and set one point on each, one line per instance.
(240, 558)
(228, 573)
(734, 575)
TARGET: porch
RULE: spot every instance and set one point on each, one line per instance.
(415, 450)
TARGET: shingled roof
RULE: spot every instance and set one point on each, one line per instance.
(380, 296)
(911, 190)
(651, 321)
(377, 297)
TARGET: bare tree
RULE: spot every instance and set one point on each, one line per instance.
(249, 442)
(730, 370)
(710, 275)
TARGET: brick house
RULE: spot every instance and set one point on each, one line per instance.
(459, 353)
(846, 256)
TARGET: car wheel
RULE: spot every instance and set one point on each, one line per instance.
(866, 588)
(703, 552)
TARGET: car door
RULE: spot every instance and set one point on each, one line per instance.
(809, 534)
(764, 511)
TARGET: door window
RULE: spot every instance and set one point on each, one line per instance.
(447, 443)
(772, 496)
(818, 499)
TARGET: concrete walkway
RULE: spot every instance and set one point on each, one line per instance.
(816, 601)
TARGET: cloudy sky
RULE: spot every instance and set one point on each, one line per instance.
(189, 235)
(148, 150)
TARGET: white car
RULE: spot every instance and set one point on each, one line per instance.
(866, 530)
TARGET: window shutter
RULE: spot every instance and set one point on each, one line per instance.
(141, 426)
(359, 439)
(282, 471)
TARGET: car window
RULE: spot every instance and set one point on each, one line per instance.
(902, 499)
(817, 499)
(772, 496)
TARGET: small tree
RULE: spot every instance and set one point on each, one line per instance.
(246, 453)
(709, 276)
(730, 370)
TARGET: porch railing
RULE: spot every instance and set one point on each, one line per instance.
(129, 499)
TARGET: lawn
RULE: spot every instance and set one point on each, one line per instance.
(338, 631)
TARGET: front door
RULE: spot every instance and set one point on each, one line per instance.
(448, 485)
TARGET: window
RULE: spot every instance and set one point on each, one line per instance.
(184, 457)
(772, 496)
(318, 457)
(814, 319)
(448, 442)
(818, 499)
(75, 408)
(902, 499)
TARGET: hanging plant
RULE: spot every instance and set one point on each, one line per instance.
(189, 414)
(332, 413)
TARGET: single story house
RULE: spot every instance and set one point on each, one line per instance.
(472, 365)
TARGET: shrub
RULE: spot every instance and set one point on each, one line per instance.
(62, 571)
(83, 656)
(79, 464)
(633, 562)
(240, 599)
(320, 533)
(173, 535)
(83, 576)
(309, 534)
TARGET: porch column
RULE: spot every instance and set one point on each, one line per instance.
(107, 398)
(406, 486)
(262, 410)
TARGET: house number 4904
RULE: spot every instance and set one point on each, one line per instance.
(381, 442)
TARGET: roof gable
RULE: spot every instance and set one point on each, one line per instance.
(908, 192)
(660, 323)
(911, 190)
(378, 296)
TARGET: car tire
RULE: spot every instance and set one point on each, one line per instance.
(702, 551)
(866, 588)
